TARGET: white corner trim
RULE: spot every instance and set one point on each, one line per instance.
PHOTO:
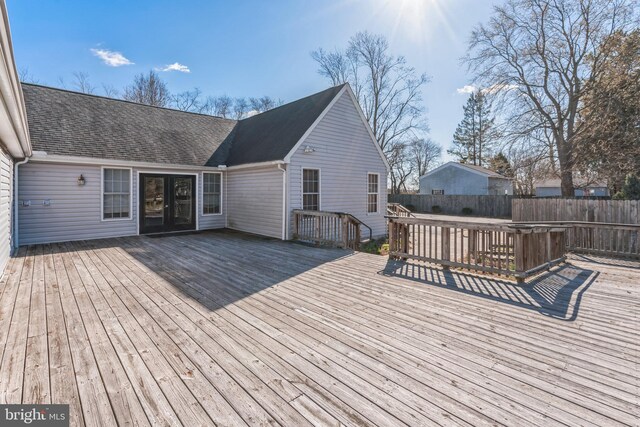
(368, 127)
(287, 158)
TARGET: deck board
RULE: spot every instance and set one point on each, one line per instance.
(231, 329)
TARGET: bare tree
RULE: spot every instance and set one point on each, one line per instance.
(402, 167)
(388, 90)
(425, 154)
(264, 103)
(110, 91)
(240, 108)
(148, 89)
(187, 101)
(26, 77)
(542, 54)
(81, 82)
(223, 106)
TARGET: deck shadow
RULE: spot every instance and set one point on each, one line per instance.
(220, 267)
(556, 294)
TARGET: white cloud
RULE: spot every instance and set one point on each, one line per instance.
(176, 66)
(111, 58)
(493, 89)
(500, 87)
(466, 89)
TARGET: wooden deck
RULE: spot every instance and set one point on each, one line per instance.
(228, 329)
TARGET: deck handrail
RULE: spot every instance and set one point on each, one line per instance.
(600, 238)
(516, 250)
(340, 229)
(396, 209)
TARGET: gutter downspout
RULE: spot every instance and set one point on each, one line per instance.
(15, 201)
(284, 201)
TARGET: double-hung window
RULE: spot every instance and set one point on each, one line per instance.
(372, 192)
(311, 189)
(116, 193)
(212, 194)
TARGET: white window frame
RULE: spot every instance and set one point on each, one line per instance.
(319, 187)
(437, 192)
(376, 193)
(221, 193)
(130, 217)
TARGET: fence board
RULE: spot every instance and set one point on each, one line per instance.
(588, 210)
(491, 206)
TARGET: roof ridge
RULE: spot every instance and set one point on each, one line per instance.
(125, 101)
(296, 100)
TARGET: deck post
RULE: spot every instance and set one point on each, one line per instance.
(345, 232)
(445, 245)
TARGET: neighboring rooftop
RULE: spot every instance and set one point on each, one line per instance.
(63, 122)
(482, 170)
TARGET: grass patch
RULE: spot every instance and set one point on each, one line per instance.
(377, 247)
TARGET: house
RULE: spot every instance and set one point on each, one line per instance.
(454, 178)
(105, 167)
(552, 188)
(14, 136)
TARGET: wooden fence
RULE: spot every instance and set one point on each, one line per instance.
(604, 211)
(490, 206)
(508, 249)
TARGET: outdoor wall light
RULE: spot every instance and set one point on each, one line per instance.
(81, 180)
(309, 149)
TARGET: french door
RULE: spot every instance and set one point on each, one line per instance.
(167, 203)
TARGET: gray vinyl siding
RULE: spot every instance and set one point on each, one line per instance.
(6, 208)
(345, 154)
(455, 181)
(500, 187)
(74, 211)
(254, 201)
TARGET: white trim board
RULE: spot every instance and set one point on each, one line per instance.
(41, 157)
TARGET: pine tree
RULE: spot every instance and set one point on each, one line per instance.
(475, 134)
(500, 164)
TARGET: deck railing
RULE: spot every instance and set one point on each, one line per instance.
(508, 249)
(601, 238)
(396, 209)
(338, 229)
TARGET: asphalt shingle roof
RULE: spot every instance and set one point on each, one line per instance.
(68, 123)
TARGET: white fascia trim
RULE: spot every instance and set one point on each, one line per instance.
(255, 165)
(42, 157)
(287, 158)
(366, 125)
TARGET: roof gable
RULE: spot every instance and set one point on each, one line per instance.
(273, 134)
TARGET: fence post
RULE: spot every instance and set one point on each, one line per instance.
(296, 226)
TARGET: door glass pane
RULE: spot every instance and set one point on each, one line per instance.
(153, 201)
(183, 201)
